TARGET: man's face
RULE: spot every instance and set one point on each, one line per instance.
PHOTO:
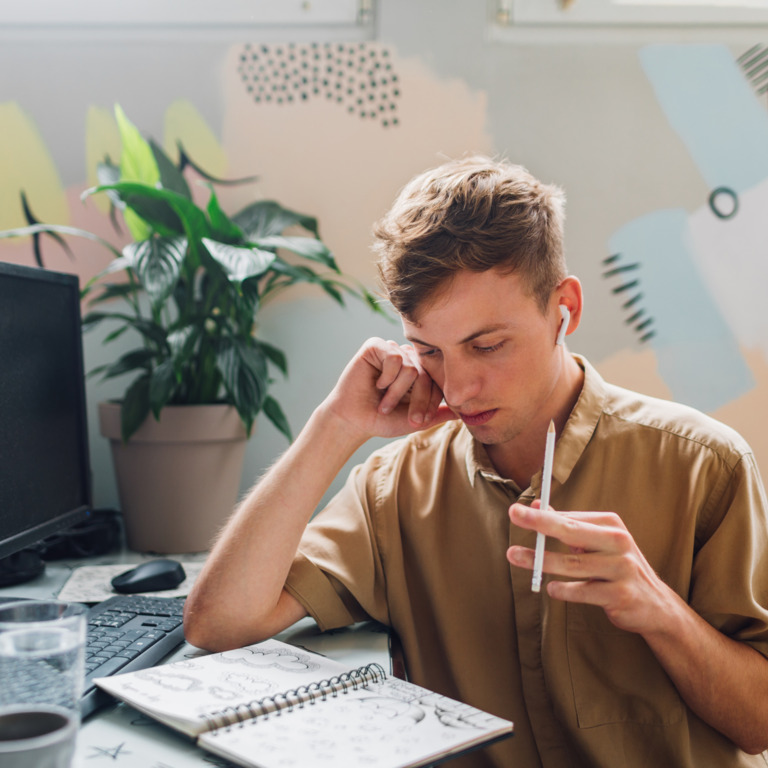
(492, 352)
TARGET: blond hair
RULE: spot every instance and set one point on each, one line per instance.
(475, 214)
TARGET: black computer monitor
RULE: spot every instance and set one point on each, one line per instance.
(44, 461)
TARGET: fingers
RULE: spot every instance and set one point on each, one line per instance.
(437, 412)
(596, 542)
(589, 531)
(601, 565)
(403, 381)
(397, 366)
(579, 565)
(599, 550)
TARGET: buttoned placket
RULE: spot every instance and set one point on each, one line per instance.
(530, 621)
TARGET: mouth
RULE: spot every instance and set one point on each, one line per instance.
(478, 418)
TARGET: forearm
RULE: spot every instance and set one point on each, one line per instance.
(723, 681)
(237, 596)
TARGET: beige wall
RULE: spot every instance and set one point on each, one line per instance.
(579, 114)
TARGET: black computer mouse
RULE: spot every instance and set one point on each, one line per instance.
(151, 576)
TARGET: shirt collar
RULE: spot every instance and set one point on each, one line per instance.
(570, 444)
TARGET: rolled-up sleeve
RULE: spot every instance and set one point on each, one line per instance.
(729, 585)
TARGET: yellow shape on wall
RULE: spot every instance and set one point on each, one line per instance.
(27, 165)
(102, 140)
(184, 123)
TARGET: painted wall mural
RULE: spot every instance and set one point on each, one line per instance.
(32, 170)
(339, 148)
(359, 77)
(691, 282)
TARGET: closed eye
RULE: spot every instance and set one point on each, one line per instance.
(491, 348)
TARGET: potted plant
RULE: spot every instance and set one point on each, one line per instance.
(191, 284)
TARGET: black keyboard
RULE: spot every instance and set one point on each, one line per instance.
(126, 633)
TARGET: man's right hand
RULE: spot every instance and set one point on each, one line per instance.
(385, 392)
(239, 596)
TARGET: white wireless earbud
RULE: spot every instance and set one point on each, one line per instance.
(565, 312)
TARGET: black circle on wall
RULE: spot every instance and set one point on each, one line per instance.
(718, 202)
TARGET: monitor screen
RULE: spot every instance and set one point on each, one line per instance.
(44, 463)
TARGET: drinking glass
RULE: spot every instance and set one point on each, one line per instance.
(42, 669)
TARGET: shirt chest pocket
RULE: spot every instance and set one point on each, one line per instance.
(614, 674)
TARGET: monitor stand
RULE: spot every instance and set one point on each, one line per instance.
(19, 567)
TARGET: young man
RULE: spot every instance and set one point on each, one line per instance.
(647, 645)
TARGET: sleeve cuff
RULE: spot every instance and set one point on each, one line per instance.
(312, 588)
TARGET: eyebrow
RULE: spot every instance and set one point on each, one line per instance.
(471, 337)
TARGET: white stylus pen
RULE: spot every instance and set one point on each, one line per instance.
(546, 482)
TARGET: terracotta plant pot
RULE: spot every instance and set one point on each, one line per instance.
(178, 478)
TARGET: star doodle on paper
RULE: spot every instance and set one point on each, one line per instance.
(113, 752)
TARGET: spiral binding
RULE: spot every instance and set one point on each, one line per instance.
(296, 697)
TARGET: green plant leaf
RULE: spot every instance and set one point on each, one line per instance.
(120, 264)
(376, 304)
(109, 173)
(244, 375)
(175, 215)
(307, 247)
(162, 384)
(137, 163)
(135, 406)
(294, 273)
(251, 295)
(275, 355)
(153, 332)
(332, 291)
(95, 371)
(182, 344)
(60, 229)
(32, 220)
(116, 334)
(283, 274)
(185, 160)
(170, 176)
(239, 263)
(157, 263)
(223, 227)
(266, 217)
(130, 361)
(156, 213)
(110, 291)
(275, 414)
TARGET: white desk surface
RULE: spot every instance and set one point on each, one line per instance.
(119, 736)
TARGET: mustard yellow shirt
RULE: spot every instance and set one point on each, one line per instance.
(417, 539)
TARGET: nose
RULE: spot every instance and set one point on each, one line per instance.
(461, 382)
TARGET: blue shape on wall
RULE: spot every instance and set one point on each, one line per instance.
(681, 274)
(664, 295)
(713, 108)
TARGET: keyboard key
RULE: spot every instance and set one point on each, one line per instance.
(108, 667)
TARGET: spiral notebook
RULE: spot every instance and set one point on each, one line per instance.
(273, 705)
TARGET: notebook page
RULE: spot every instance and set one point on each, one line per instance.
(181, 693)
(384, 725)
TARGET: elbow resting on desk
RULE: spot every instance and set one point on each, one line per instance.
(217, 625)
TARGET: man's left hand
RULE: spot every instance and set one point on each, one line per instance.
(603, 565)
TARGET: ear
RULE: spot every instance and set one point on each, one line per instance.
(570, 301)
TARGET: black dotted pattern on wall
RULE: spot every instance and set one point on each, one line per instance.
(357, 76)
